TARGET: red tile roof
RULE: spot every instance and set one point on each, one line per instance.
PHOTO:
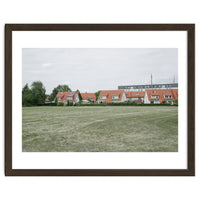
(175, 93)
(109, 93)
(161, 94)
(64, 95)
(135, 94)
(87, 96)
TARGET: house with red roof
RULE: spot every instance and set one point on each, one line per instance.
(156, 96)
(136, 96)
(88, 97)
(109, 96)
(71, 96)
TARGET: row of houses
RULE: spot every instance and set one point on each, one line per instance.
(149, 96)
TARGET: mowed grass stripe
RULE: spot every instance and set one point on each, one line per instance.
(100, 129)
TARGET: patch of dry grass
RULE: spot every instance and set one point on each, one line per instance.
(100, 129)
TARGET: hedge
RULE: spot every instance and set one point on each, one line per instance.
(104, 104)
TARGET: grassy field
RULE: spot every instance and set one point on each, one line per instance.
(100, 129)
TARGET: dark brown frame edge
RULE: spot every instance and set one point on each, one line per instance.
(190, 28)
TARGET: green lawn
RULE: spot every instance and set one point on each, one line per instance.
(100, 129)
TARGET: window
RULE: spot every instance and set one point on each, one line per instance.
(115, 97)
(168, 96)
(155, 96)
(61, 93)
(103, 97)
(59, 98)
(137, 94)
(69, 98)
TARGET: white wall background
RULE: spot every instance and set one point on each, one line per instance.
(104, 11)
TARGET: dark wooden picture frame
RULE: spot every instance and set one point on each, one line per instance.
(190, 28)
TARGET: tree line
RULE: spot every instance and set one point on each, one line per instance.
(36, 94)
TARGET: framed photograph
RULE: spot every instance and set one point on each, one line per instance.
(99, 99)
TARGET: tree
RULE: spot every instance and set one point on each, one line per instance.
(79, 96)
(53, 94)
(97, 95)
(56, 101)
(27, 96)
(59, 88)
(38, 92)
(25, 89)
(175, 102)
(46, 96)
(63, 88)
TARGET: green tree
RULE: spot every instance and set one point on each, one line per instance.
(25, 89)
(79, 96)
(63, 88)
(97, 95)
(175, 102)
(59, 88)
(38, 92)
(56, 101)
(27, 97)
(47, 96)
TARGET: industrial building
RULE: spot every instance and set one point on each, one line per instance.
(129, 88)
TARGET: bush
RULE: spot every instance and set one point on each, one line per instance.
(69, 103)
(175, 102)
(128, 103)
(60, 104)
(93, 104)
(49, 104)
(56, 101)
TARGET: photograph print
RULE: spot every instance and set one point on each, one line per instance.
(100, 100)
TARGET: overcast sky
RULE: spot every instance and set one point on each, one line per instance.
(93, 69)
